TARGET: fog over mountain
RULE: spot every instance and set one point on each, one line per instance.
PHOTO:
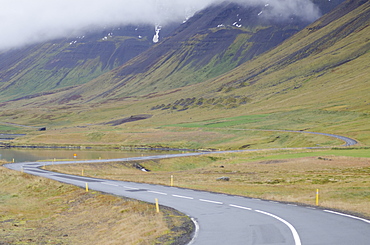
(25, 22)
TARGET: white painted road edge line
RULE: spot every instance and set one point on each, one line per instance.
(210, 201)
(183, 197)
(347, 215)
(297, 240)
(157, 192)
(128, 187)
(195, 232)
(241, 207)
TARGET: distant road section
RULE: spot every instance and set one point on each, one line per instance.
(348, 141)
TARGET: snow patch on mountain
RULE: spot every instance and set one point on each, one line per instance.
(156, 35)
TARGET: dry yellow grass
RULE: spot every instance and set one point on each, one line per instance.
(343, 182)
(35, 210)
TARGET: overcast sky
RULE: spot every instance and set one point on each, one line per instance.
(24, 22)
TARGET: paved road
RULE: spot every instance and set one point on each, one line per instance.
(226, 219)
(347, 141)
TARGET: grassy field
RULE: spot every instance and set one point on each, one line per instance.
(244, 131)
(36, 210)
(342, 176)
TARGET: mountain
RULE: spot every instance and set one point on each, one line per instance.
(214, 41)
(325, 65)
(64, 63)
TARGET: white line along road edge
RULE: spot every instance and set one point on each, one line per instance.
(347, 215)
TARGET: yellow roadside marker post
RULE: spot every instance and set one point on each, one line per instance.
(156, 205)
(317, 197)
(171, 180)
(87, 187)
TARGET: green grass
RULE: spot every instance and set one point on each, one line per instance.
(6, 128)
(290, 120)
(237, 158)
(319, 153)
(225, 122)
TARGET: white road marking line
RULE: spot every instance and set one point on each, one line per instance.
(195, 232)
(104, 183)
(292, 205)
(241, 207)
(210, 201)
(311, 208)
(297, 240)
(347, 215)
(273, 202)
(183, 197)
(128, 187)
(157, 192)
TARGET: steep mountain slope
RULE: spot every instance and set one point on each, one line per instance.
(60, 64)
(332, 51)
(211, 43)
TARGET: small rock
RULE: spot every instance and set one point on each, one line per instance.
(223, 178)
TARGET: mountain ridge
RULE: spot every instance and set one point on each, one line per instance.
(204, 47)
(215, 39)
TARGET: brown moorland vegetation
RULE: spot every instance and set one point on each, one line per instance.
(343, 181)
(36, 210)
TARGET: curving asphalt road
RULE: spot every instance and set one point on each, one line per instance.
(226, 219)
(347, 141)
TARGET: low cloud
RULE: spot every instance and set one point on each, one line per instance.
(25, 22)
